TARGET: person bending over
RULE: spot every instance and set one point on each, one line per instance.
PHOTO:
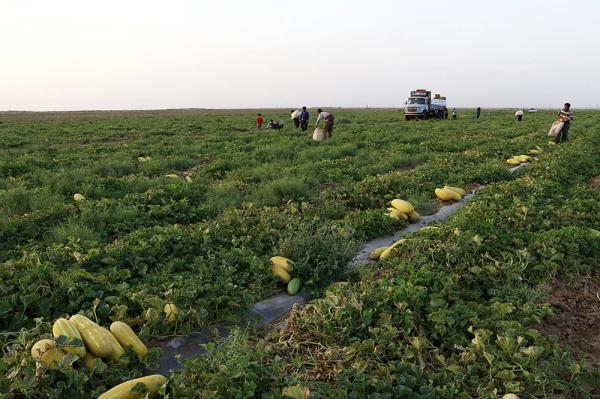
(328, 119)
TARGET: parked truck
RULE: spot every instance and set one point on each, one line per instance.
(420, 105)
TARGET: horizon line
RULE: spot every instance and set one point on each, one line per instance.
(15, 111)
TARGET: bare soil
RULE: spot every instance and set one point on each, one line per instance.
(577, 318)
(470, 187)
(595, 183)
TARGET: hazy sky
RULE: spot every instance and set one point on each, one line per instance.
(130, 54)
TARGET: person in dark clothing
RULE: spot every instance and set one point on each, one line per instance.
(478, 112)
(275, 124)
(454, 113)
(564, 115)
(304, 116)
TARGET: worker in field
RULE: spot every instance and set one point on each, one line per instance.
(276, 125)
(328, 119)
(304, 116)
(295, 115)
(566, 116)
(259, 122)
(519, 115)
(445, 113)
(454, 113)
(478, 112)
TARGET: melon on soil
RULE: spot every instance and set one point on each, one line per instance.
(121, 391)
(386, 254)
(444, 195)
(294, 286)
(281, 273)
(46, 352)
(397, 213)
(126, 337)
(92, 336)
(117, 350)
(171, 312)
(457, 190)
(376, 253)
(283, 262)
(63, 327)
(403, 206)
(414, 217)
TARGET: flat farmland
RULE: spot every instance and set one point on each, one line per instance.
(186, 208)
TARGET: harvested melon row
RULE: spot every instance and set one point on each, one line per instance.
(84, 338)
(449, 193)
(518, 159)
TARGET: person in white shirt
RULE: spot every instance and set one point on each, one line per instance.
(328, 118)
(295, 115)
(519, 115)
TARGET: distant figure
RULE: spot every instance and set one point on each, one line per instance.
(519, 115)
(566, 116)
(453, 113)
(295, 115)
(275, 124)
(478, 112)
(329, 119)
(445, 113)
(259, 122)
(304, 116)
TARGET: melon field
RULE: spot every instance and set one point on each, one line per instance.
(166, 220)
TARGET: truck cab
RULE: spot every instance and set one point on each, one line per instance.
(420, 105)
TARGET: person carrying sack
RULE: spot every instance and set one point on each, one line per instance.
(519, 115)
(329, 119)
(555, 129)
(565, 116)
(295, 115)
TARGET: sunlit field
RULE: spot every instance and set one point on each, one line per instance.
(187, 207)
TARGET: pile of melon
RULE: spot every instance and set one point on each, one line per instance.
(175, 177)
(85, 339)
(403, 210)
(449, 193)
(281, 267)
(518, 159)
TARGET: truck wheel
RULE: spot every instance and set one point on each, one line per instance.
(425, 115)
